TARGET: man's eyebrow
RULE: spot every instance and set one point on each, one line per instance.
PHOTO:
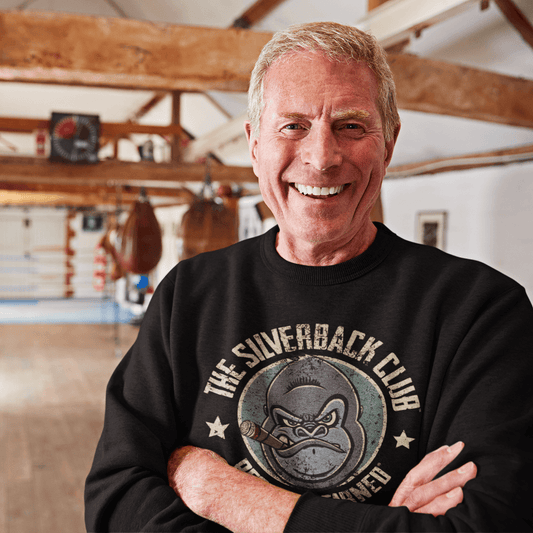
(297, 116)
(347, 114)
(357, 114)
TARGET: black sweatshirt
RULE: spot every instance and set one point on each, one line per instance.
(332, 382)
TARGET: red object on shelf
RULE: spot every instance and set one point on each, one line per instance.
(40, 139)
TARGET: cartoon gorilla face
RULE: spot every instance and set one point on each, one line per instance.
(313, 409)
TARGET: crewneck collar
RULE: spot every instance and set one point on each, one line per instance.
(332, 274)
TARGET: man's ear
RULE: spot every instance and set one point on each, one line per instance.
(389, 146)
(252, 146)
(248, 130)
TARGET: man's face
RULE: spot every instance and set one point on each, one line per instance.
(320, 155)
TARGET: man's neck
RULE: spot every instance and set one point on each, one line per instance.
(303, 252)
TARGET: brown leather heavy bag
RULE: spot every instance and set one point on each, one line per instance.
(209, 225)
(139, 244)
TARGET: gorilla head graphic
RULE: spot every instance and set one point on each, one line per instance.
(312, 412)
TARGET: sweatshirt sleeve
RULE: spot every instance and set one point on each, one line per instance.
(127, 488)
(484, 399)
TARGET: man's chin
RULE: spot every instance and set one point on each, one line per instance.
(318, 237)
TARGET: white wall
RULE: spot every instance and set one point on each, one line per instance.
(32, 252)
(490, 214)
(169, 219)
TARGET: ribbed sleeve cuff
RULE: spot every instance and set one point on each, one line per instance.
(314, 514)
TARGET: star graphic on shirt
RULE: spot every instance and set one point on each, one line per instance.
(403, 440)
(217, 428)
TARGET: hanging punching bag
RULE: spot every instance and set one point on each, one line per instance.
(139, 242)
(209, 224)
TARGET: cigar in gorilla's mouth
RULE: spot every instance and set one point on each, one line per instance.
(256, 432)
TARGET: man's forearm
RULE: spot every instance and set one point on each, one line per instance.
(220, 493)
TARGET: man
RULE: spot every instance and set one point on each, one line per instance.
(327, 375)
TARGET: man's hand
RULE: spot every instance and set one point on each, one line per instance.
(421, 493)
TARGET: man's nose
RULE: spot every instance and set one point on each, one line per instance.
(320, 148)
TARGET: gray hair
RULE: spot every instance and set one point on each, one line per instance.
(337, 42)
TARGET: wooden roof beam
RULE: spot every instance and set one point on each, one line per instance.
(212, 141)
(29, 198)
(175, 140)
(67, 199)
(397, 20)
(437, 87)
(158, 97)
(103, 191)
(117, 8)
(256, 12)
(107, 129)
(508, 156)
(46, 193)
(124, 53)
(115, 172)
(517, 19)
(372, 4)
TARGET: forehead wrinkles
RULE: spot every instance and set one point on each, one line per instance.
(278, 94)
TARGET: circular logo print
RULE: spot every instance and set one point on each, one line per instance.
(312, 421)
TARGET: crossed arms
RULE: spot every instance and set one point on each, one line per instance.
(222, 494)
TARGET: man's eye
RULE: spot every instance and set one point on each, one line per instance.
(292, 127)
(351, 126)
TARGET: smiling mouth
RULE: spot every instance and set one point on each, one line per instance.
(318, 192)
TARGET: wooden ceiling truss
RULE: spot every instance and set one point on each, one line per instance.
(255, 13)
(521, 154)
(517, 19)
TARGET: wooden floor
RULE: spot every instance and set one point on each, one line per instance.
(52, 384)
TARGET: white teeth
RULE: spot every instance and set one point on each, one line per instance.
(318, 191)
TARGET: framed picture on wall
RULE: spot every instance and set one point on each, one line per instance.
(431, 228)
